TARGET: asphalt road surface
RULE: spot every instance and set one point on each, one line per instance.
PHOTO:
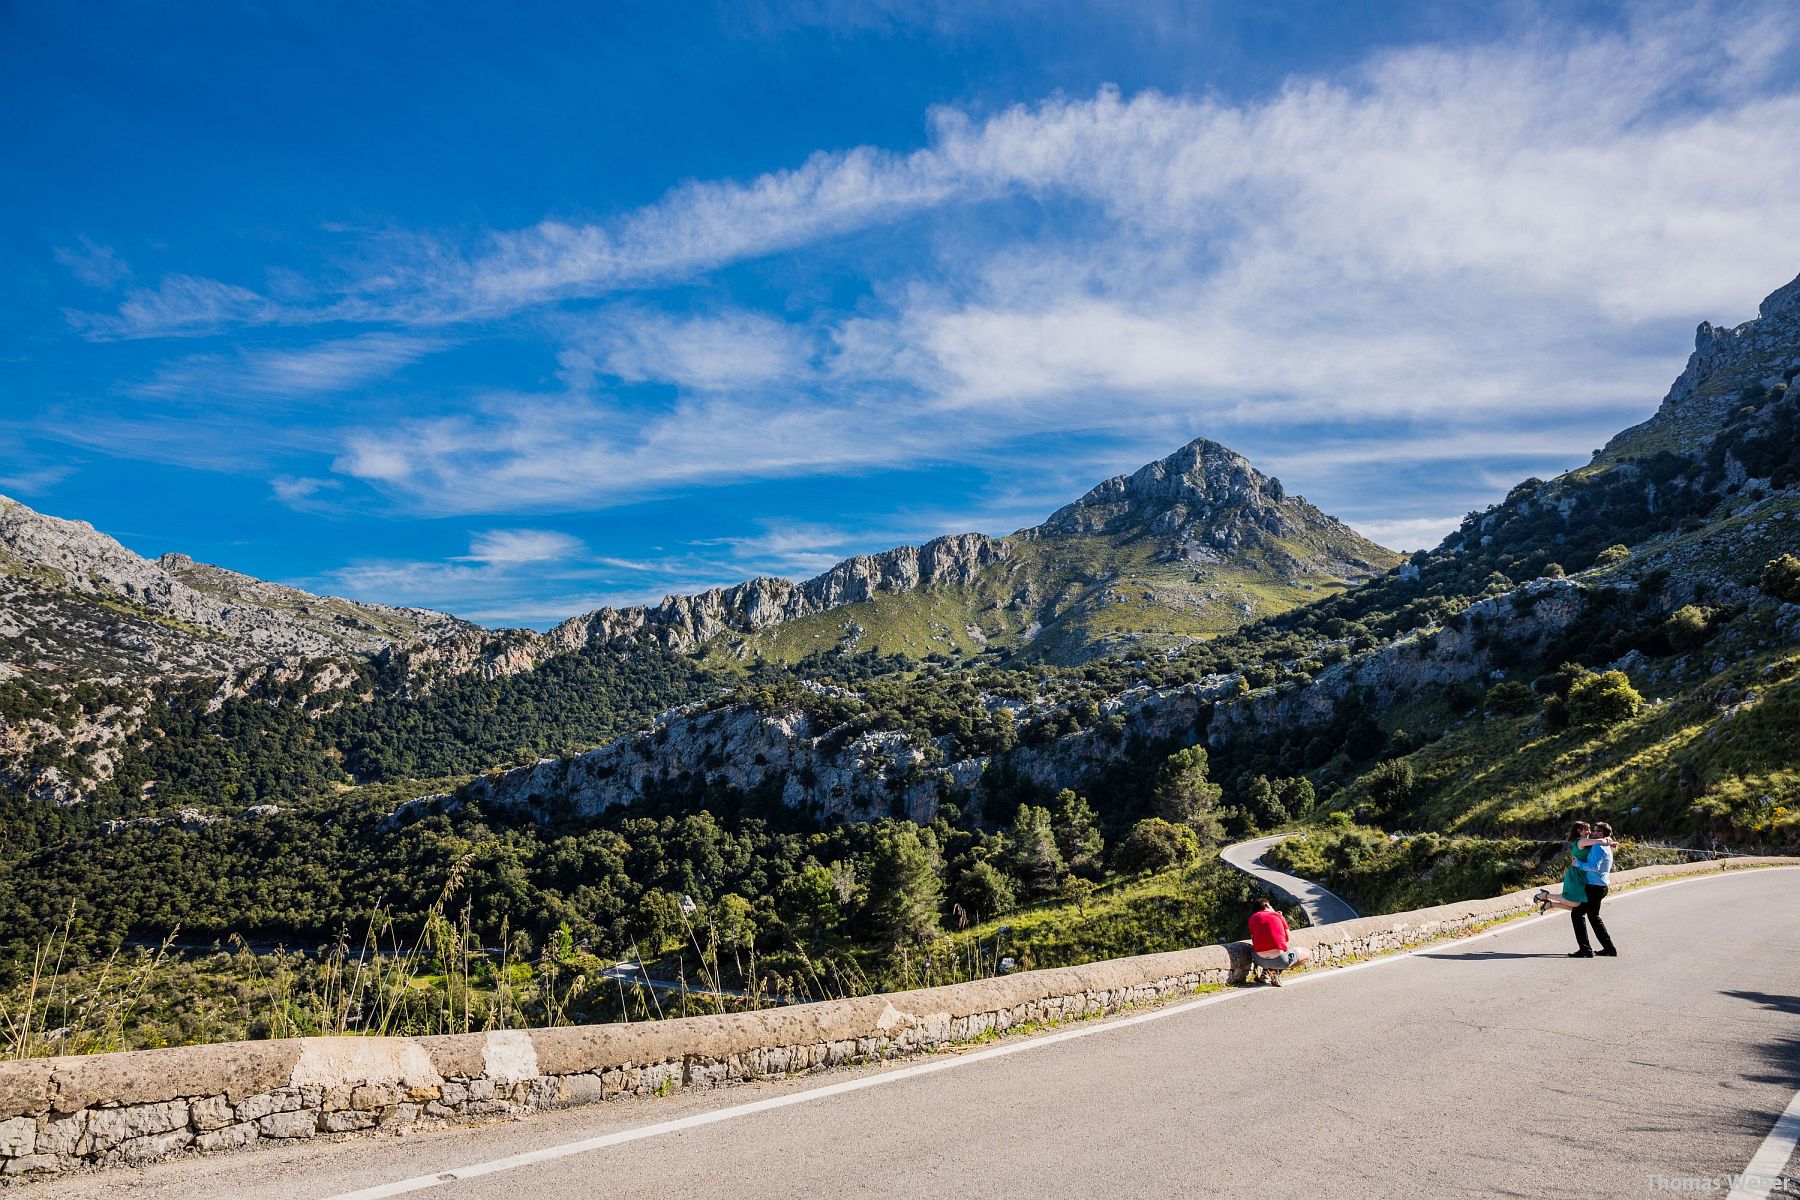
(1321, 907)
(1492, 1066)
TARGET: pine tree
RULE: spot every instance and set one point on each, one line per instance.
(904, 887)
(1077, 833)
(1185, 796)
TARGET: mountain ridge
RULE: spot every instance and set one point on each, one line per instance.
(1205, 502)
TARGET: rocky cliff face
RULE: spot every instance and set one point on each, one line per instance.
(685, 623)
(1762, 352)
(883, 772)
(74, 602)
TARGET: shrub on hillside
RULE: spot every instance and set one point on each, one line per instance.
(982, 892)
(1686, 627)
(1612, 556)
(1156, 845)
(1781, 578)
(1596, 701)
(1510, 698)
(1393, 785)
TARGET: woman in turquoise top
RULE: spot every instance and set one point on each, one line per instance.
(1574, 884)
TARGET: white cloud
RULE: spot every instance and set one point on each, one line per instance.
(1611, 167)
(792, 548)
(516, 547)
(733, 350)
(301, 492)
(1445, 240)
(519, 575)
(1407, 533)
(264, 374)
(35, 480)
(180, 306)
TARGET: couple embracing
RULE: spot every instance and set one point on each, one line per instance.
(1585, 884)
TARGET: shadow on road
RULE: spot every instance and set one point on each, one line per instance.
(1782, 1055)
(1775, 1003)
(1490, 954)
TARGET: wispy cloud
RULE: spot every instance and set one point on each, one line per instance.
(31, 481)
(733, 350)
(285, 374)
(1407, 533)
(522, 575)
(788, 548)
(1442, 240)
(93, 264)
(516, 547)
(179, 306)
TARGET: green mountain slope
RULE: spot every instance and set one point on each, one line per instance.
(1186, 548)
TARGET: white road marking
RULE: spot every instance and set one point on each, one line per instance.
(1790, 1121)
(1771, 1158)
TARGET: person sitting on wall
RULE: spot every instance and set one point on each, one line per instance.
(1269, 944)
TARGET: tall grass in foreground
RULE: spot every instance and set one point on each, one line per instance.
(59, 1011)
(432, 975)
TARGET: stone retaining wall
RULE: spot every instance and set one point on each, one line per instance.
(135, 1107)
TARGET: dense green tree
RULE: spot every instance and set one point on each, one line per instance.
(1510, 698)
(1612, 556)
(982, 891)
(1298, 796)
(1262, 803)
(904, 887)
(1077, 833)
(1184, 795)
(1032, 855)
(734, 920)
(1781, 578)
(1156, 845)
(1392, 785)
(809, 900)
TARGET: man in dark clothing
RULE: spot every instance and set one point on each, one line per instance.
(1598, 869)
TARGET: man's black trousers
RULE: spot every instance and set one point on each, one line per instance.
(1590, 911)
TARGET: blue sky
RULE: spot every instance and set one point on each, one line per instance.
(519, 310)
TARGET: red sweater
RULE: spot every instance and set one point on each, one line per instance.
(1268, 932)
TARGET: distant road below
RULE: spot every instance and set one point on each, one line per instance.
(1321, 907)
(1488, 1066)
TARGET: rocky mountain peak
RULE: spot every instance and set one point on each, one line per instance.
(1206, 501)
(1201, 476)
(1758, 354)
(1781, 301)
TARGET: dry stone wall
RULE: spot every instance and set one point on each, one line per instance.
(57, 1114)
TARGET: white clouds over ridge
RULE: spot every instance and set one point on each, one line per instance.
(1447, 246)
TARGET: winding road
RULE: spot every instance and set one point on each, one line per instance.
(1320, 906)
(1487, 1066)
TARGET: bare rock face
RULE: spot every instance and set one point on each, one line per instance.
(1762, 352)
(1206, 504)
(685, 623)
(79, 603)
